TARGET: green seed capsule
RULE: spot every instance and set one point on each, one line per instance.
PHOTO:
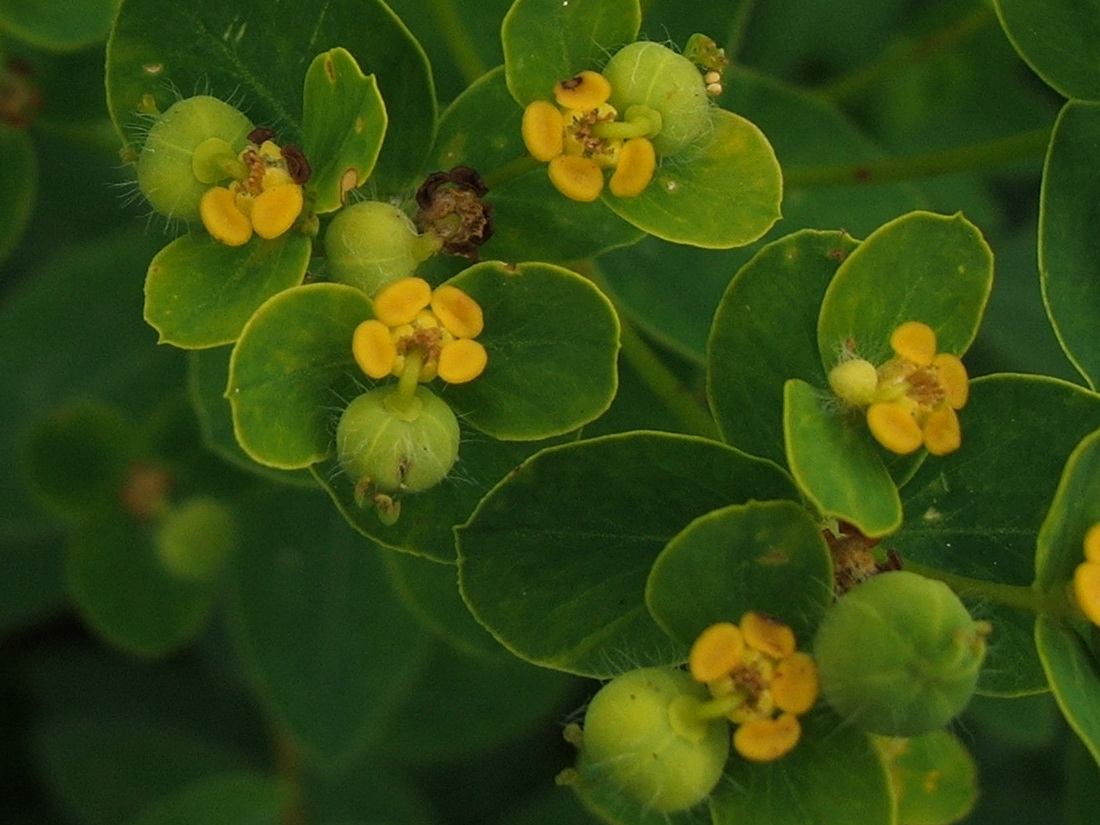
(371, 244)
(195, 539)
(899, 654)
(392, 448)
(169, 174)
(641, 735)
(649, 74)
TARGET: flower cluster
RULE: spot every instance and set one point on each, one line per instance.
(428, 331)
(1086, 578)
(765, 681)
(582, 136)
(911, 400)
(265, 197)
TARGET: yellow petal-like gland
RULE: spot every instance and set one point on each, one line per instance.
(953, 379)
(914, 342)
(275, 176)
(941, 431)
(634, 171)
(765, 740)
(585, 91)
(401, 301)
(461, 361)
(275, 210)
(459, 313)
(579, 179)
(854, 381)
(1092, 543)
(222, 219)
(767, 635)
(542, 130)
(1086, 589)
(795, 684)
(716, 652)
(373, 349)
(893, 426)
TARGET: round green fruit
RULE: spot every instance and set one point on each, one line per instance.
(899, 654)
(397, 446)
(167, 173)
(649, 74)
(640, 736)
(195, 539)
(371, 244)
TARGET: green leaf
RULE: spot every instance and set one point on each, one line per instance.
(18, 194)
(199, 292)
(290, 370)
(1074, 678)
(833, 777)
(1075, 508)
(573, 532)
(934, 777)
(1068, 259)
(81, 23)
(546, 41)
(764, 332)
(226, 799)
(481, 129)
(552, 339)
(723, 193)
(974, 513)
(765, 556)
(343, 124)
(329, 647)
(1058, 41)
(919, 267)
(257, 55)
(835, 462)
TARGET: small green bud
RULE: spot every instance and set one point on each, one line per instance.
(899, 654)
(643, 733)
(854, 381)
(167, 166)
(195, 539)
(371, 244)
(389, 444)
(649, 74)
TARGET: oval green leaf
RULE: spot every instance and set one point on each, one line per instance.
(573, 532)
(765, 556)
(78, 24)
(835, 462)
(225, 799)
(343, 125)
(290, 371)
(768, 319)
(199, 292)
(723, 193)
(1076, 507)
(1058, 41)
(546, 41)
(18, 194)
(920, 267)
(553, 342)
(934, 777)
(1068, 258)
(1074, 677)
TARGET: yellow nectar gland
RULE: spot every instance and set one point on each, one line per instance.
(582, 136)
(433, 330)
(766, 683)
(1086, 578)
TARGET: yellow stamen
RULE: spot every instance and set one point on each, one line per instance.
(1086, 589)
(637, 163)
(914, 342)
(953, 379)
(893, 426)
(458, 312)
(275, 210)
(461, 361)
(399, 302)
(765, 740)
(585, 91)
(941, 432)
(795, 684)
(577, 178)
(767, 635)
(373, 349)
(716, 652)
(222, 219)
(1092, 543)
(542, 130)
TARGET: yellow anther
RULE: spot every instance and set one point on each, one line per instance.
(941, 432)
(767, 635)
(461, 361)
(542, 130)
(953, 379)
(577, 178)
(458, 312)
(1092, 543)
(716, 652)
(275, 210)
(915, 342)
(585, 91)
(399, 302)
(373, 349)
(1086, 589)
(223, 219)
(795, 684)
(634, 171)
(894, 427)
(765, 740)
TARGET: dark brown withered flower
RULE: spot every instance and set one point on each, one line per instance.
(450, 206)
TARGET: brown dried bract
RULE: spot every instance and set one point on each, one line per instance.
(450, 206)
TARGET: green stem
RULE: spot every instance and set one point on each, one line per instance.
(740, 22)
(510, 171)
(1016, 596)
(958, 31)
(449, 21)
(987, 155)
(612, 129)
(404, 400)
